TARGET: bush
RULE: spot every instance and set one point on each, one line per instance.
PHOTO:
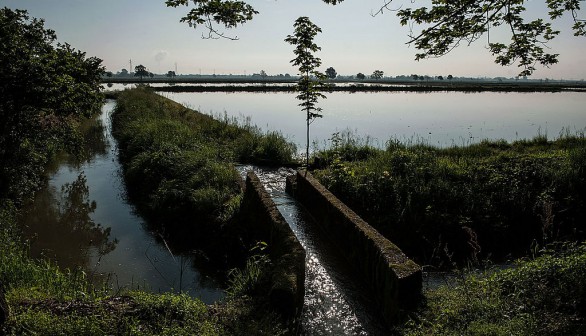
(465, 204)
(542, 296)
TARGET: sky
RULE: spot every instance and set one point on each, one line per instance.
(352, 40)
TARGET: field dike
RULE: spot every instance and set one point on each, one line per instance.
(264, 222)
(394, 278)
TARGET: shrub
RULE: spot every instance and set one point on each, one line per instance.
(542, 296)
(460, 204)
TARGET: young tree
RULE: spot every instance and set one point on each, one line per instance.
(360, 76)
(311, 80)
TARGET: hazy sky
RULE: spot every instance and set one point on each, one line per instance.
(352, 41)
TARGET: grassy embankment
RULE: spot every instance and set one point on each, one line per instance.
(465, 206)
(179, 164)
(541, 296)
(41, 298)
(488, 200)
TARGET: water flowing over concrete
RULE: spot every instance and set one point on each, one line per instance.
(333, 303)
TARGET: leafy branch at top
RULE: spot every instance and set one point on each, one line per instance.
(448, 24)
(229, 13)
(445, 25)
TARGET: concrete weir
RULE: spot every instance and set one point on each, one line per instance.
(267, 224)
(395, 280)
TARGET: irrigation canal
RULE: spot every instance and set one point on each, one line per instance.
(109, 241)
(335, 303)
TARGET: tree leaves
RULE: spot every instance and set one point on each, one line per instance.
(450, 23)
(228, 13)
(311, 80)
(45, 87)
(445, 25)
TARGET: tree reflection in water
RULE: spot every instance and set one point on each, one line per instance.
(60, 226)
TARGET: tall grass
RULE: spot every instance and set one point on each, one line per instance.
(459, 204)
(178, 163)
(542, 296)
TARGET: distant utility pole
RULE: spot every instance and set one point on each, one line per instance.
(130, 70)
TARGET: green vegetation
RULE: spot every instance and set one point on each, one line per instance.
(311, 81)
(464, 204)
(48, 93)
(47, 89)
(544, 296)
(178, 163)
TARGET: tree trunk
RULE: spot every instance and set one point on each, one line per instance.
(307, 144)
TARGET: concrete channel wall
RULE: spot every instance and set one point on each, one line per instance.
(395, 279)
(265, 223)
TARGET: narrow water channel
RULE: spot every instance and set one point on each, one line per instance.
(82, 220)
(334, 303)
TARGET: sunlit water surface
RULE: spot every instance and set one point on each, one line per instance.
(336, 303)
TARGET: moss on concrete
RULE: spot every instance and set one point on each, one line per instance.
(395, 279)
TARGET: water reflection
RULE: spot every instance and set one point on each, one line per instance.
(65, 216)
(82, 219)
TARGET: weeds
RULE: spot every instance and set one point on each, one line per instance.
(488, 199)
(178, 163)
(540, 296)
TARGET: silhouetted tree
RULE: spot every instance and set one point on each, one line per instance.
(171, 74)
(44, 88)
(311, 79)
(140, 71)
(331, 73)
(360, 76)
(377, 74)
(263, 74)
